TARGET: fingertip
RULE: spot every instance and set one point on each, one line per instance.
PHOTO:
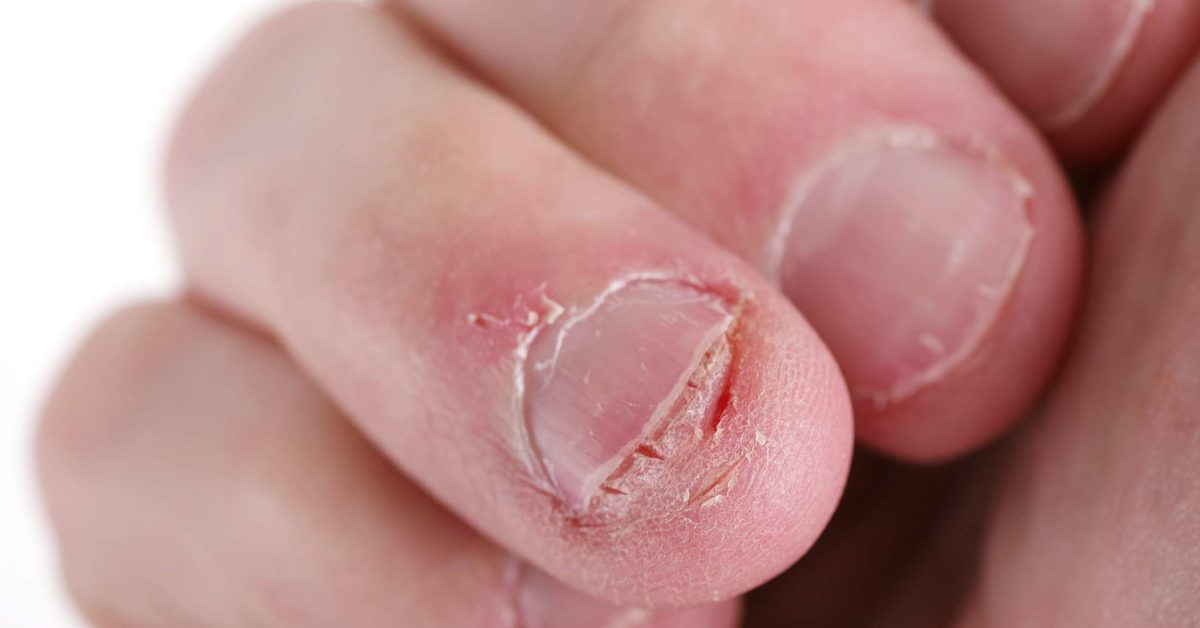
(1087, 72)
(708, 509)
(992, 387)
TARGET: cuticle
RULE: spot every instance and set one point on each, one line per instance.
(733, 300)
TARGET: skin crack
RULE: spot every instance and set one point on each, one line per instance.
(678, 454)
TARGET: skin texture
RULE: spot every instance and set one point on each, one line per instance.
(1115, 453)
(629, 84)
(348, 288)
(1088, 515)
(462, 345)
(261, 509)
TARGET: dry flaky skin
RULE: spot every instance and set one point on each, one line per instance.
(407, 301)
(660, 435)
(732, 485)
(674, 464)
(731, 481)
(677, 466)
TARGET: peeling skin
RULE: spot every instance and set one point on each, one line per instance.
(536, 314)
(693, 418)
(679, 451)
(752, 483)
(722, 479)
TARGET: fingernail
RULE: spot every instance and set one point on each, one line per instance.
(1056, 74)
(598, 380)
(901, 253)
(1089, 68)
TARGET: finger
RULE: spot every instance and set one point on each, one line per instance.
(849, 153)
(1087, 71)
(196, 478)
(1113, 459)
(600, 389)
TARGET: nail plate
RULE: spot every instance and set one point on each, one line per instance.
(598, 381)
(901, 252)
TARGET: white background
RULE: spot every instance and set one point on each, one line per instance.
(88, 89)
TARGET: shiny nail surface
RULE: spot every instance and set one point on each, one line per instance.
(901, 252)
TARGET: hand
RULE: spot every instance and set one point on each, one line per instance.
(561, 301)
